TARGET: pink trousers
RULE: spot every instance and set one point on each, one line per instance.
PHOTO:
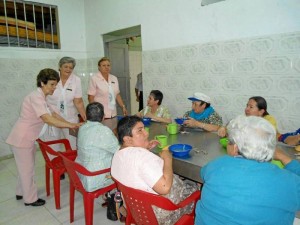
(25, 161)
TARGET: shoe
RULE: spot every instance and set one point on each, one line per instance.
(38, 202)
(62, 177)
(123, 219)
(104, 205)
(19, 197)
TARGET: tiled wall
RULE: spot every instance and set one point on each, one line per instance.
(18, 78)
(230, 72)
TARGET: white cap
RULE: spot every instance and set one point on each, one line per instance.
(198, 96)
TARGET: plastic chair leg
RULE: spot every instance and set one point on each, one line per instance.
(56, 186)
(88, 202)
(47, 175)
(72, 195)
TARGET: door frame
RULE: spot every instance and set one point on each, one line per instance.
(120, 35)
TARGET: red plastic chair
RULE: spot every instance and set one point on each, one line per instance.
(55, 164)
(139, 206)
(73, 168)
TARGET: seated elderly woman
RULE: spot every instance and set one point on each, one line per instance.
(137, 167)
(257, 106)
(154, 109)
(244, 187)
(96, 146)
(202, 114)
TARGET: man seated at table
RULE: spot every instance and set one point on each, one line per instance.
(202, 114)
(243, 187)
(154, 109)
(96, 146)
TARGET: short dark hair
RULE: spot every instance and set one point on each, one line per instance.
(157, 95)
(95, 112)
(125, 126)
(45, 75)
(261, 103)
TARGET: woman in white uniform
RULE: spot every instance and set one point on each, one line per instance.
(67, 101)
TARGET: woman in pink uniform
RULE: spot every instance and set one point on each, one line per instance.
(34, 119)
(104, 88)
(67, 101)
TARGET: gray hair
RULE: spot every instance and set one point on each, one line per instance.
(65, 60)
(95, 112)
(254, 136)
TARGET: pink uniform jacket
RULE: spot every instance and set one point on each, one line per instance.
(29, 125)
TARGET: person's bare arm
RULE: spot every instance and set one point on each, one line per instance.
(164, 184)
(222, 132)
(91, 98)
(78, 102)
(205, 126)
(121, 104)
(282, 156)
(293, 140)
(58, 121)
(158, 119)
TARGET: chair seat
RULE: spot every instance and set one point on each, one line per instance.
(58, 164)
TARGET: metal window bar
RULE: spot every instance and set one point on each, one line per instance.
(6, 22)
(17, 27)
(34, 21)
(51, 27)
(21, 35)
(26, 27)
(43, 27)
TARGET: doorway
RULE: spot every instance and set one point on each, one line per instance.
(124, 48)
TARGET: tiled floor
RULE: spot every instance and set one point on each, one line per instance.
(13, 212)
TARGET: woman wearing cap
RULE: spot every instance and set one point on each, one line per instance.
(67, 101)
(202, 114)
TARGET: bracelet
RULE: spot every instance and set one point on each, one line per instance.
(123, 106)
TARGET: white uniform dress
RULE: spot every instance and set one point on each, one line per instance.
(62, 102)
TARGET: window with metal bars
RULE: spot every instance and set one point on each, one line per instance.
(28, 24)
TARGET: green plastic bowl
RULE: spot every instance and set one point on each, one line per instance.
(224, 142)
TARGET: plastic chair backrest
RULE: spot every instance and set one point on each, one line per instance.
(73, 168)
(139, 204)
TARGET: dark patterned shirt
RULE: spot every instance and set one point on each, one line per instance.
(214, 118)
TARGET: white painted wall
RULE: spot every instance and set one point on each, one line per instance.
(173, 23)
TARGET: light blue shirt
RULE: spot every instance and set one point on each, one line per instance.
(242, 191)
(96, 147)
